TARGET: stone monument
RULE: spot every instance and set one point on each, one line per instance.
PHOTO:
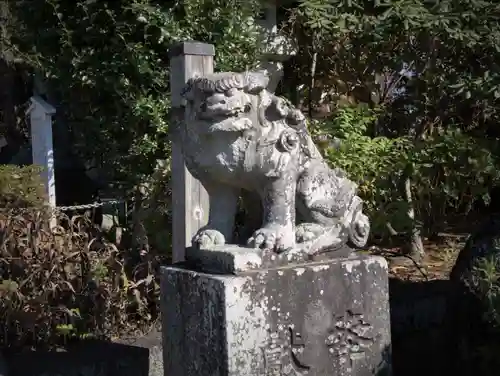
(294, 298)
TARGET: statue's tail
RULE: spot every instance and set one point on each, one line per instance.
(358, 224)
(310, 147)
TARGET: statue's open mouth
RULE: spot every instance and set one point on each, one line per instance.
(219, 112)
(223, 106)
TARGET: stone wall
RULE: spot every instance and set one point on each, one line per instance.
(135, 357)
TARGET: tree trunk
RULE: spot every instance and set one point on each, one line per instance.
(139, 234)
(312, 84)
(415, 246)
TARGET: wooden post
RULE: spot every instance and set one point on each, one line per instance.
(41, 145)
(189, 197)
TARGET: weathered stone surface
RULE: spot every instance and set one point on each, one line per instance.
(315, 319)
(238, 136)
(231, 259)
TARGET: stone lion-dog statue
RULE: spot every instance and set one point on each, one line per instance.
(238, 137)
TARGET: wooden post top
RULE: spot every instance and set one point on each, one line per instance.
(192, 48)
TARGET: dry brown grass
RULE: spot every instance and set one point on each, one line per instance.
(70, 282)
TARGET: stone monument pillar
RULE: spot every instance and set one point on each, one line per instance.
(295, 298)
(317, 319)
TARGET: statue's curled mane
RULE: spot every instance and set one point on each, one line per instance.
(222, 82)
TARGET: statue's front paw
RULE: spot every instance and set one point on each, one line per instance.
(277, 238)
(208, 237)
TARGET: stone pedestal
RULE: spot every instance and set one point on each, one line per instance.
(317, 319)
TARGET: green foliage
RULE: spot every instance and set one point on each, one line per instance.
(431, 71)
(481, 279)
(156, 208)
(107, 66)
(375, 164)
(451, 46)
(484, 282)
(450, 170)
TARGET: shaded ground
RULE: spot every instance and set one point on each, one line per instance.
(423, 341)
(436, 265)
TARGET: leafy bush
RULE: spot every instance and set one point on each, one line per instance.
(484, 281)
(153, 212)
(376, 164)
(450, 170)
(113, 92)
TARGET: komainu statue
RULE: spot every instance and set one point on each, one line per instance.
(236, 137)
